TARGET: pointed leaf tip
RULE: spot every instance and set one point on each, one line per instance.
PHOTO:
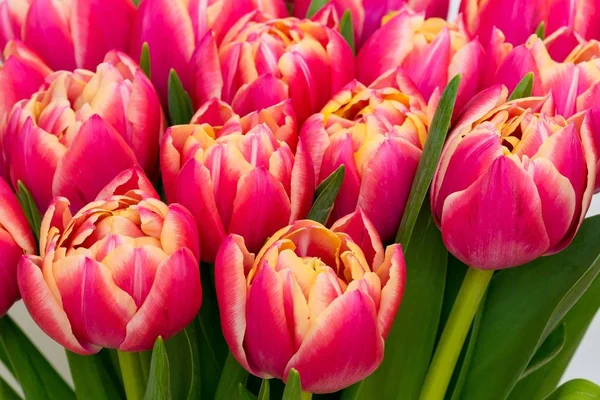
(524, 88)
(293, 389)
(145, 60)
(180, 103)
(347, 30)
(326, 194)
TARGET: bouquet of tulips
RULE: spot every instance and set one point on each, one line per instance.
(269, 199)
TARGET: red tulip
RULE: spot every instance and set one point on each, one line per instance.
(318, 300)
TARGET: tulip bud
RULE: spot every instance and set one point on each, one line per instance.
(119, 273)
(514, 181)
(367, 14)
(237, 175)
(377, 133)
(265, 61)
(15, 239)
(68, 34)
(58, 142)
(317, 300)
(182, 26)
(430, 51)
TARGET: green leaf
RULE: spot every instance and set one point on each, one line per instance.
(145, 59)
(408, 351)
(184, 373)
(94, 377)
(347, 30)
(540, 383)
(34, 373)
(429, 160)
(180, 103)
(293, 389)
(523, 306)
(159, 385)
(31, 211)
(325, 196)
(136, 2)
(315, 6)
(541, 31)
(523, 88)
(548, 350)
(577, 389)
(7, 392)
(265, 390)
(233, 375)
(245, 394)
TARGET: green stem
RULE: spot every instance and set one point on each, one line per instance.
(306, 396)
(133, 375)
(455, 332)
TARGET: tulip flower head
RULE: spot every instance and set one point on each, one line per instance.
(77, 134)
(266, 61)
(237, 175)
(377, 133)
(514, 180)
(68, 34)
(118, 274)
(318, 300)
(15, 239)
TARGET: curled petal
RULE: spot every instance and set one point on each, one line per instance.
(362, 231)
(13, 220)
(128, 180)
(393, 280)
(179, 230)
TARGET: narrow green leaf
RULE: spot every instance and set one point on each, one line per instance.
(136, 2)
(33, 372)
(325, 196)
(180, 103)
(315, 6)
(577, 389)
(293, 389)
(233, 375)
(523, 306)
(94, 377)
(7, 392)
(265, 390)
(540, 383)
(29, 208)
(408, 351)
(159, 385)
(245, 394)
(548, 350)
(185, 370)
(523, 88)
(429, 160)
(541, 31)
(347, 30)
(145, 60)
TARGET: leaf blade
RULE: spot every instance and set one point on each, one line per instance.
(233, 375)
(159, 380)
(347, 30)
(523, 88)
(293, 389)
(326, 194)
(145, 60)
(180, 103)
(315, 6)
(92, 378)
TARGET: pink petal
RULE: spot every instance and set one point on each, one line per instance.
(362, 231)
(296, 308)
(11, 254)
(128, 180)
(316, 139)
(174, 300)
(263, 92)
(497, 222)
(323, 292)
(393, 280)
(205, 70)
(302, 185)
(12, 220)
(350, 322)
(179, 230)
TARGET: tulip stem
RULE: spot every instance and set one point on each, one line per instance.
(455, 332)
(133, 375)
(306, 396)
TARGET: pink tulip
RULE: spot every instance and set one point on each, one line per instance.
(75, 136)
(175, 28)
(237, 175)
(514, 181)
(318, 300)
(68, 34)
(264, 61)
(119, 273)
(15, 239)
(368, 14)
(430, 51)
(378, 134)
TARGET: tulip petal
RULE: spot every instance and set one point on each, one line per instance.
(296, 308)
(128, 180)
(45, 310)
(362, 231)
(86, 158)
(11, 254)
(263, 92)
(497, 222)
(173, 301)
(350, 322)
(302, 185)
(393, 280)
(323, 292)
(205, 69)
(13, 220)
(179, 230)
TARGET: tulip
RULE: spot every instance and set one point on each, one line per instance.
(367, 14)
(77, 134)
(265, 61)
(312, 299)
(377, 133)
(514, 181)
(431, 52)
(182, 25)
(237, 175)
(68, 34)
(119, 273)
(15, 239)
